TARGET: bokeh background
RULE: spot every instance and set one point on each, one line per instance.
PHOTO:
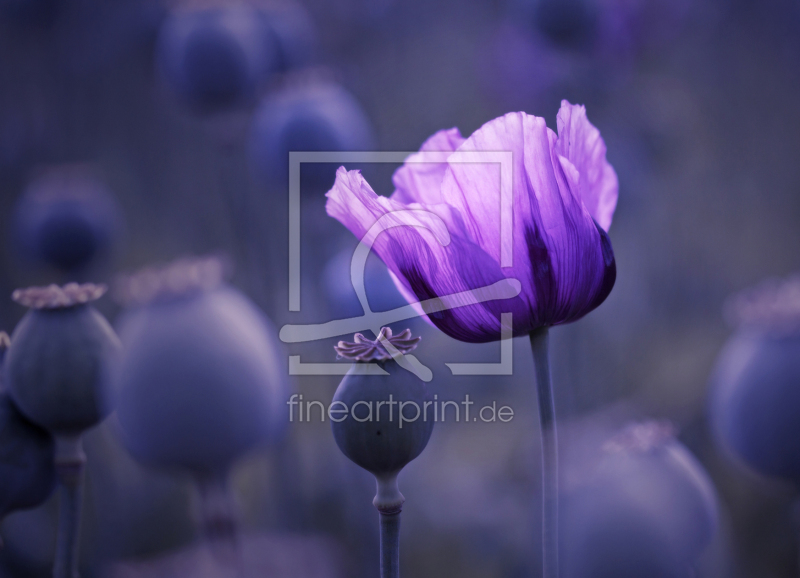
(700, 117)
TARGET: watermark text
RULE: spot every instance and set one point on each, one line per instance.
(391, 410)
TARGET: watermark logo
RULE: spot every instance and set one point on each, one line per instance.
(411, 217)
(391, 410)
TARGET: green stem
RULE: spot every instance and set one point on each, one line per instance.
(547, 426)
(70, 462)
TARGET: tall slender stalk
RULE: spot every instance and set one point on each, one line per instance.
(219, 524)
(547, 425)
(389, 502)
(390, 545)
(70, 462)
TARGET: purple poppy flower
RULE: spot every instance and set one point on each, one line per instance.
(564, 196)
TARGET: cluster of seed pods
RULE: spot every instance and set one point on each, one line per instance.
(217, 57)
(196, 380)
(210, 358)
(190, 341)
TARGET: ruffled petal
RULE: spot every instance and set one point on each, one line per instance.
(474, 189)
(580, 143)
(410, 297)
(443, 236)
(584, 264)
(419, 180)
(558, 252)
(430, 258)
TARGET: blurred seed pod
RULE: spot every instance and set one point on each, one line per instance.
(56, 369)
(201, 380)
(308, 114)
(27, 471)
(66, 218)
(605, 27)
(293, 32)
(645, 507)
(27, 453)
(565, 23)
(755, 387)
(377, 437)
(517, 67)
(215, 56)
(628, 26)
(382, 293)
(97, 36)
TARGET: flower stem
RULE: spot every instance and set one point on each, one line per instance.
(390, 545)
(219, 524)
(547, 426)
(389, 502)
(70, 462)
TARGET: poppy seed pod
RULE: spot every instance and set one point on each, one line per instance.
(381, 292)
(385, 426)
(369, 431)
(645, 508)
(27, 470)
(755, 387)
(66, 218)
(218, 56)
(56, 366)
(200, 380)
(567, 23)
(293, 30)
(310, 114)
(27, 461)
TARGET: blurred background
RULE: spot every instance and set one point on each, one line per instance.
(696, 102)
